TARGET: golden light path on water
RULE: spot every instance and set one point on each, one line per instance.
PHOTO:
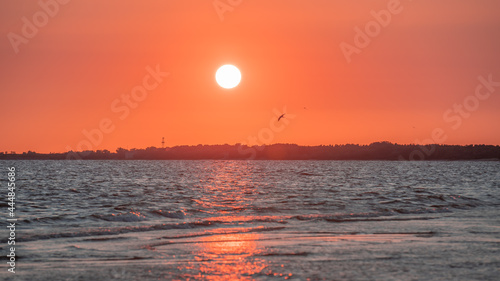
(242, 253)
(229, 257)
(222, 255)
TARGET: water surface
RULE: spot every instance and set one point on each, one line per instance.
(256, 220)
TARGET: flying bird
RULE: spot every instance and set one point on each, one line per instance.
(282, 115)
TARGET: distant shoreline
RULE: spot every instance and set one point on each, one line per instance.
(374, 151)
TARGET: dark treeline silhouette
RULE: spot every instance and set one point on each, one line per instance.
(374, 151)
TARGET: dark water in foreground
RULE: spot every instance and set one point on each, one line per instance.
(254, 220)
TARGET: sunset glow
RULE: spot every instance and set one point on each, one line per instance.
(351, 72)
(250, 139)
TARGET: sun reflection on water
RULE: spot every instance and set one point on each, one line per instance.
(230, 257)
(226, 253)
(225, 189)
(226, 257)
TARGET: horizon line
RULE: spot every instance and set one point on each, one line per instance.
(4, 152)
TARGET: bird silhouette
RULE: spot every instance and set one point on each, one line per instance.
(282, 115)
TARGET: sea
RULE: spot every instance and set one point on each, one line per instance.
(252, 220)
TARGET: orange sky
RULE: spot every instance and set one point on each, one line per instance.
(85, 55)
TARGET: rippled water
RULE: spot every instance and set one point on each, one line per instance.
(256, 220)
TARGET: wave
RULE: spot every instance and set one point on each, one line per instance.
(122, 217)
(135, 216)
(368, 216)
(283, 254)
(130, 229)
(308, 174)
(169, 214)
(102, 232)
(257, 223)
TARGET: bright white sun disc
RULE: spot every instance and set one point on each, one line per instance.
(228, 76)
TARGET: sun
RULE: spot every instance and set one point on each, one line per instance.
(228, 76)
